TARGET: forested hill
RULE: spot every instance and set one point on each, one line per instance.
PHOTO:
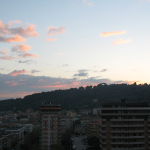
(78, 98)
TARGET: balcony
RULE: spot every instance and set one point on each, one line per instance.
(126, 143)
(127, 120)
(128, 131)
(52, 129)
(103, 137)
(45, 129)
(134, 148)
(52, 120)
(45, 124)
(127, 137)
(93, 130)
(102, 131)
(103, 120)
(102, 125)
(102, 142)
(128, 125)
(45, 120)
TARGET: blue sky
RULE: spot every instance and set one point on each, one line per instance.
(70, 43)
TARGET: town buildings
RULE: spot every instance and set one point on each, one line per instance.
(50, 125)
(93, 128)
(66, 123)
(11, 137)
(125, 126)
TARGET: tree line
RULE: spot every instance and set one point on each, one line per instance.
(80, 98)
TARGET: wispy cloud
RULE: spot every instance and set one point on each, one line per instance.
(103, 70)
(51, 40)
(61, 53)
(35, 71)
(134, 70)
(6, 57)
(120, 41)
(20, 48)
(144, 0)
(25, 83)
(25, 61)
(3, 28)
(54, 30)
(3, 51)
(65, 65)
(81, 72)
(106, 34)
(12, 83)
(25, 55)
(6, 29)
(17, 72)
(90, 4)
(25, 32)
(16, 21)
(16, 38)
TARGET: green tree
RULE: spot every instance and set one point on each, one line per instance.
(56, 147)
(31, 140)
(66, 140)
(94, 143)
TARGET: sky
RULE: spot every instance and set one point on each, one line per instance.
(60, 44)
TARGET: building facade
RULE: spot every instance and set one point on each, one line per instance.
(51, 125)
(93, 128)
(125, 126)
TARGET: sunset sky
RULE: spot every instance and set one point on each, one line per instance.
(59, 44)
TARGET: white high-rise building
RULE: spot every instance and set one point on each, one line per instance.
(51, 125)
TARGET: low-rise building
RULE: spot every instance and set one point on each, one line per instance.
(93, 128)
(71, 113)
(80, 129)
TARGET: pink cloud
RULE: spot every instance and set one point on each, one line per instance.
(120, 41)
(144, 0)
(28, 55)
(14, 84)
(59, 85)
(3, 28)
(3, 51)
(22, 80)
(16, 38)
(61, 53)
(51, 40)
(16, 21)
(6, 57)
(54, 30)
(106, 34)
(9, 81)
(21, 48)
(57, 82)
(90, 4)
(17, 72)
(16, 94)
(28, 32)
(41, 80)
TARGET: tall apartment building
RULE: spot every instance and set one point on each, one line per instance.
(93, 128)
(125, 126)
(51, 125)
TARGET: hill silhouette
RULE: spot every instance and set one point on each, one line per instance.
(80, 98)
